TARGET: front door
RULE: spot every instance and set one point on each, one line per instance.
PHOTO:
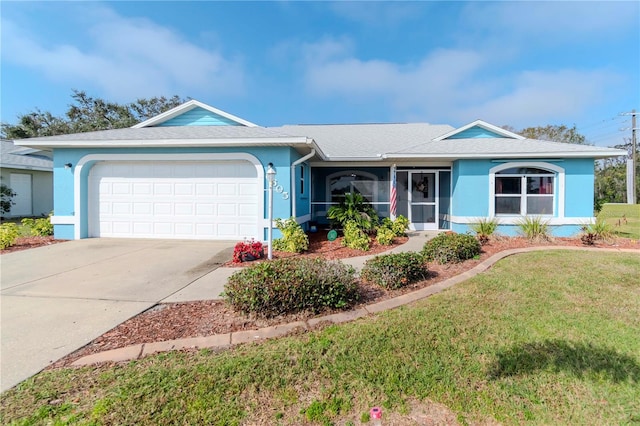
(420, 201)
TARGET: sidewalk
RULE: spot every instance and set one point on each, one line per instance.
(211, 285)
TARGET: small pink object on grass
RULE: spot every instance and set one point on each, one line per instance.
(376, 416)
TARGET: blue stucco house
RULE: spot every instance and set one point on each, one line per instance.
(196, 172)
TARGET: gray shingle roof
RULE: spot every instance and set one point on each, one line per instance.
(367, 140)
(168, 133)
(18, 157)
(496, 147)
(342, 142)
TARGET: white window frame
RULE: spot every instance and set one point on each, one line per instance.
(373, 178)
(558, 190)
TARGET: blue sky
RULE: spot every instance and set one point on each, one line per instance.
(509, 63)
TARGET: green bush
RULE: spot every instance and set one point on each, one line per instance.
(6, 199)
(397, 226)
(484, 228)
(450, 247)
(292, 285)
(8, 234)
(355, 237)
(294, 239)
(395, 270)
(385, 236)
(534, 228)
(41, 227)
(354, 208)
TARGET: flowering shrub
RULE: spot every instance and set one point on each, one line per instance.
(246, 251)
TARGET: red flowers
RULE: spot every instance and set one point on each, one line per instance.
(246, 251)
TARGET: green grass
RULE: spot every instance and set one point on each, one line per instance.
(540, 338)
(625, 219)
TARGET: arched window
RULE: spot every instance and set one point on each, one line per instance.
(354, 181)
(524, 190)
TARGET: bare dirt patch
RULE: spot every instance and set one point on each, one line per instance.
(209, 317)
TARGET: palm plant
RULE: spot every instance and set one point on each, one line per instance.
(354, 208)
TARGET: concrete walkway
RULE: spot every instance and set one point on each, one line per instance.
(221, 341)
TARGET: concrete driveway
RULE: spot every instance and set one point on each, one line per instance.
(58, 298)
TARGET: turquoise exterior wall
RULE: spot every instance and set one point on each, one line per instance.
(580, 187)
(470, 195)
(476, 132)
(199, 117)
(470, 188)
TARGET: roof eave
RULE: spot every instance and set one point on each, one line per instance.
(188, 106)
(130, 143)
(592, 154)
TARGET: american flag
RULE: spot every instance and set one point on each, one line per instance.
(393, 192)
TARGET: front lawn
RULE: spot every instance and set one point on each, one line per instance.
(624, 218)
(542, 338)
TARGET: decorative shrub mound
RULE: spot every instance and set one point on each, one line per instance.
(355, 237)
(389, 229)
(395, 270)
(9, 233)
(450, 247)
(284, 286)
(40, 227)
(294, 239)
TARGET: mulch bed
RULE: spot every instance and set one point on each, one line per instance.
(25, 243)
(209, 317)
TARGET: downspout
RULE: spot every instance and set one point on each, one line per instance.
(293, 180)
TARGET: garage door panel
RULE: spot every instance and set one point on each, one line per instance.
(161, 188)
(174, 200)
(247, 210)
(181, 189)
(205, 189)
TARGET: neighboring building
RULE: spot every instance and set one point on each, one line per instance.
(29, 173)
(196, 172)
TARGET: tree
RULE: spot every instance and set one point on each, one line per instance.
(87, 114)
(611, 178)
(555, 133)
(6, 199)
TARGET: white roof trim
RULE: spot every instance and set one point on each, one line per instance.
(188, 106)
(485, 126)
(521, 155)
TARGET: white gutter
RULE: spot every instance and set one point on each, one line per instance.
(565, 154)
(293, 180)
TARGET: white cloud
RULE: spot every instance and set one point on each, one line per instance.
(457, 86)
(126, 58)
(552, 21)
(540, 97)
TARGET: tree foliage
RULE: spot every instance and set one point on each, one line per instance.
(552, 132)
(87, 114)
(6, 199)
(611, 178)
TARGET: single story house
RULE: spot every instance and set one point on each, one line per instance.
(29, 174)
(196, 172)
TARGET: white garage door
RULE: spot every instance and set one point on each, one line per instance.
(174, 199)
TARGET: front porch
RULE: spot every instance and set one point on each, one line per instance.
(422, 193)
